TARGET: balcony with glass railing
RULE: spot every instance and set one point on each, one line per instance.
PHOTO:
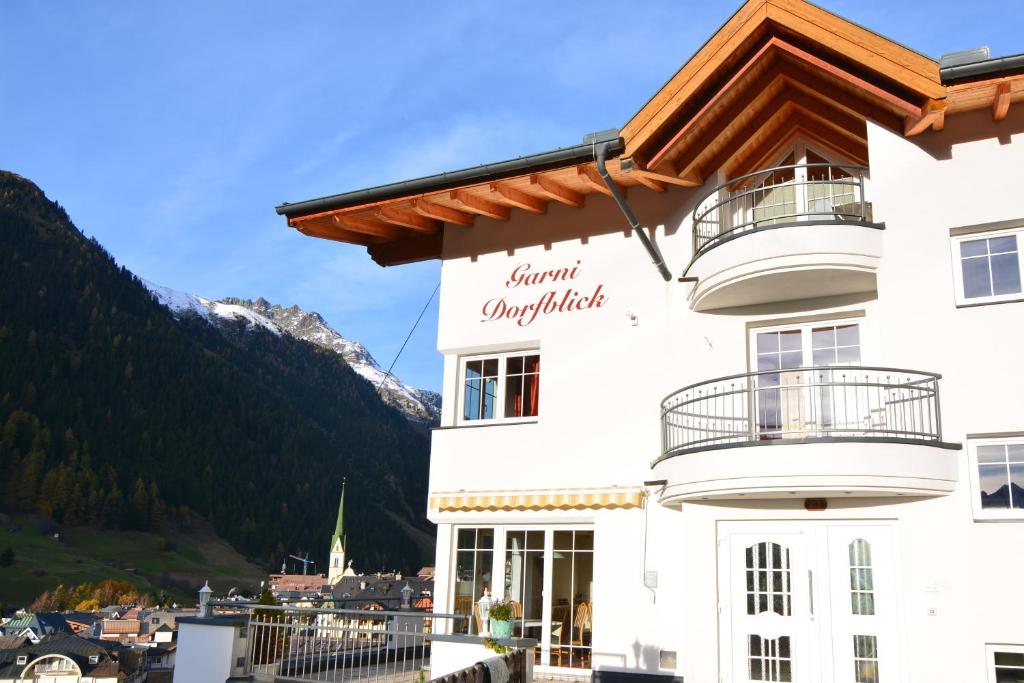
(782, 233)
(849, 431)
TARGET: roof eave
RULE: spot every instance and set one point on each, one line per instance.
(534, 163)
(983, 70)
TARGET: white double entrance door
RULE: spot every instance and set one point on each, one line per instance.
(808, 602)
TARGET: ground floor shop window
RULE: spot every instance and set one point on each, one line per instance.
(523, 565)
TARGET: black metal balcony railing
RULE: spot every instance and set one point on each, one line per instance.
(837, 403)
(778, 196)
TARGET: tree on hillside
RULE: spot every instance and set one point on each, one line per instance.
(7, 557)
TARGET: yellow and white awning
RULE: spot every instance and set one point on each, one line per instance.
(560, 499)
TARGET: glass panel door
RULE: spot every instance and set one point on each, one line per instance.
(806, 382)
(841, 398)
(829, 190)
(474, 558)
(524, 581)
(809, 602)
(572, 575)
(779, 390)
(862, 584)
(773, 199)
(769, 610)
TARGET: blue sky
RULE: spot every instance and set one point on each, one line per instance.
(171, 130)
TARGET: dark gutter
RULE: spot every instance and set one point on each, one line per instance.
(533, 163)
(989, 68)
(600, 155)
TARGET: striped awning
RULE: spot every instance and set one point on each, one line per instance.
(579, 499)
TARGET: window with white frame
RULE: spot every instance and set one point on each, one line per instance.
(1005, 663)
(987, 266)
(545, 572)
(997, 474)
(504, 386)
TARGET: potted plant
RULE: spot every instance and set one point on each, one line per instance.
(500, 616)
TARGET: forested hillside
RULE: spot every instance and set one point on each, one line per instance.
(117, 415)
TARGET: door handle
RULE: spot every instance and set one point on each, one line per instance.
(810, 590)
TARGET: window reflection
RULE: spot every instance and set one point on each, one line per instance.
(473, 560)
(1001, 476)
(524, 581)
(572, 575)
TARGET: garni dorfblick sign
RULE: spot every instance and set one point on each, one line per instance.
(541, 292)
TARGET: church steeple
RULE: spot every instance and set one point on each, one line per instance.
(339, 526)
(337, 562)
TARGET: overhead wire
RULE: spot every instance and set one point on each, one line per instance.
(408, 337)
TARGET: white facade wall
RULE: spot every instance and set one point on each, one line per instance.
(605, 371)
(212, 652)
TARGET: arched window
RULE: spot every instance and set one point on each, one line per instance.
(862, 588)
(769, 587)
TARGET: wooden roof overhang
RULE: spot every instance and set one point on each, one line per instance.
(405, 226)
(777, 69)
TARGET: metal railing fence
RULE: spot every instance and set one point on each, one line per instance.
(306, 644)
(801, 404)
(778, 195)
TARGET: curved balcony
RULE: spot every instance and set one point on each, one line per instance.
(783, 233)
(850, 431)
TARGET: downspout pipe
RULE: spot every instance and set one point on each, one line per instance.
(600, 156)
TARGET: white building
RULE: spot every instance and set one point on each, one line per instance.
(836, 213)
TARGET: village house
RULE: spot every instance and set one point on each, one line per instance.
(67, 658)
(692, 424)
(36, 626)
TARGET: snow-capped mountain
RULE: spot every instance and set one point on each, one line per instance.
(418, 405)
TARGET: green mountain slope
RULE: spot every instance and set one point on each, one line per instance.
(174, 564)
(113, 414)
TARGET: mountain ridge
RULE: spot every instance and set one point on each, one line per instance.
(418, 405)
(116, 414)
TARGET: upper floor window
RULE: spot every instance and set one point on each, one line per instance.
(1005, 663)
(503, 386)
(987, 267)
(997, 472)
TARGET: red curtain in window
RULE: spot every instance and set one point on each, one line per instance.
(534, 363)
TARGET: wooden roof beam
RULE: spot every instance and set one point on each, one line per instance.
(440, 212)
(643, 178)
(714, 103)
(662, 177)
(407, 219)
(335, 234)
(684, 165)
(419, 248)
(367, 226)
(822, 133)
(891, 100)
(1001, 103)
(478, 205)
(877, 53)
(930, 112)
(798, 124)
(556, 191)
(838, 119)
(519, 199)
(696, 141)
(589, 175)
(818, 87)
(693, 167)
